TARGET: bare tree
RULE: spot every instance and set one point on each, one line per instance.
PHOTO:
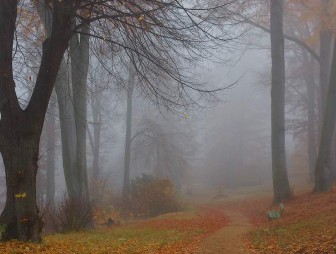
(20, 129)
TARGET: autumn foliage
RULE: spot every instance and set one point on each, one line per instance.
(153, 196)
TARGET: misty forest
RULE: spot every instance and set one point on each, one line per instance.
(167, 126)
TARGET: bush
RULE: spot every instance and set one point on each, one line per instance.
(152, 196)
(71, 214)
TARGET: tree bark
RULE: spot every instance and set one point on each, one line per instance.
(279, 167)
(21, 212)
(323, 181)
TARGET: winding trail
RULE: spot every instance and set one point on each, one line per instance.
(228, 240)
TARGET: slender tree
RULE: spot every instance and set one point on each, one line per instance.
(128, 137)
(79, 54)
(95, 141)
(279, 167)
(323, 181)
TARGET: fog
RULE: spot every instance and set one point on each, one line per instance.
(167, 126)
(211, 147)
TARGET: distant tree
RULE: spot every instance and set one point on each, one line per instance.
(162, 151)
(128, 138)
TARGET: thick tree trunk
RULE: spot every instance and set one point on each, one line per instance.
(20, 130)
(127, 156)
(19, 141)
(279, 167)
(323, 181)
(21, 212)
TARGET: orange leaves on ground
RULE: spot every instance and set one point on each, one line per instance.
(192, 229)
(167, 234)
(206, 220)
(307, 226)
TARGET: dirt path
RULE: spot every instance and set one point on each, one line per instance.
(228, 240)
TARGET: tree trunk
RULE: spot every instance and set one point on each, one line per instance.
(325, 58)
(51, 145)
(323, 181)
(21, 213)
(310, 84)
(65, 108)
(20, 130)
(333, 158)
(95, 142)
(67, 125)
(127, 156)
(279, 167)
(79, 53)
(311, 128)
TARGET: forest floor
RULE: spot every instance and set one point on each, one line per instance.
(307, 226)
(233, 223)
(230, 238)
(172, 233)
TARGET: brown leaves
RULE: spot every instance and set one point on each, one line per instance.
(307, 226)
(172, 233)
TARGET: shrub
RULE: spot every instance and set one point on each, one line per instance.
(152, 196)
(71, 214)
